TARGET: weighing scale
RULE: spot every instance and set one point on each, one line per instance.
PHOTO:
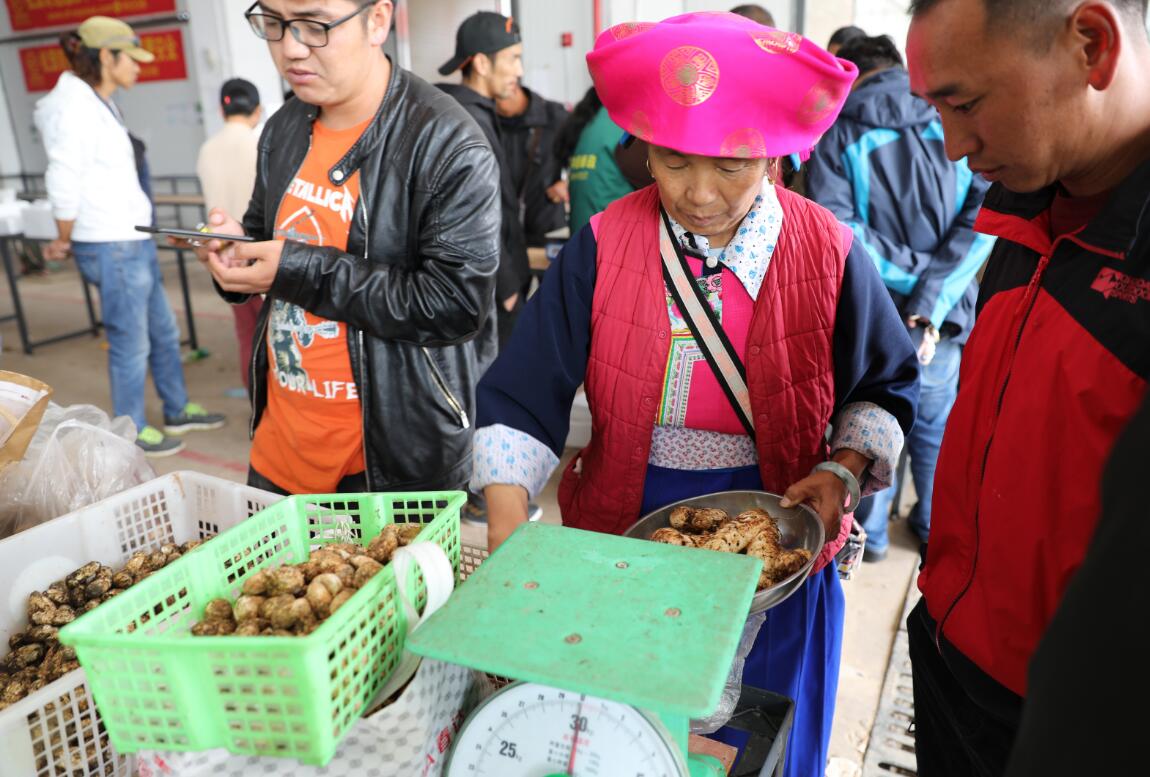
(619, 643)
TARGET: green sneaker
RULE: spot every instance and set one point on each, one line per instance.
(154, 444)
(193, 418)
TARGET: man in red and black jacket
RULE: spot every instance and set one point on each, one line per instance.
(1046, 98)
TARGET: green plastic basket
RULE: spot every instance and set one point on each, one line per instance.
(159, 688)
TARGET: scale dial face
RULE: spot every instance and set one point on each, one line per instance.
(529, 730)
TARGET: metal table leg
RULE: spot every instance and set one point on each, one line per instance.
(192, 341)
(18, 308)
(96, 323)
(28, 344)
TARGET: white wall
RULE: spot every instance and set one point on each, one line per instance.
(618, 11)
(884, 17)
(553, 71)
(823, 17)
(561, 73)
(431, 28)
(224, 47)
(9, 151)
(820, 17)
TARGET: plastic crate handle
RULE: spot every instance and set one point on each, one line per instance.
(439, 576)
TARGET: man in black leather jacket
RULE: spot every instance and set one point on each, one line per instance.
(408, 291)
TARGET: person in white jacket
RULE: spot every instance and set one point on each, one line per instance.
(98, 197)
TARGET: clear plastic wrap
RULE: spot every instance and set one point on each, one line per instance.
(734, 687)
(78, 456)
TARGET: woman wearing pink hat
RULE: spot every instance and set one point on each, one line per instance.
(720, 325)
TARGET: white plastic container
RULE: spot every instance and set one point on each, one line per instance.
(39, 223)
(470, 557)
(36, 731)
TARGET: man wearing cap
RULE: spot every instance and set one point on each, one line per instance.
(97, 181)
(719, 324)
(376, 226)
(489, 53)
(227, 171)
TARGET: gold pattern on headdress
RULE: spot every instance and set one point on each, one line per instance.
(777, 41)
(820, 102)
(745, 143)
(641, 126)
(627, 29)
(690, 75)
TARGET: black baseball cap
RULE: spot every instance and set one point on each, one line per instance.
(485, 32)
(239, 97)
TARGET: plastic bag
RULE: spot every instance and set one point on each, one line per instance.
(78, 456)
(734, 686)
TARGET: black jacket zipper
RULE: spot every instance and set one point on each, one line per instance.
(361, 372)
(446, 391)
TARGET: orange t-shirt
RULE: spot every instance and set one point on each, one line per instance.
(311, 433)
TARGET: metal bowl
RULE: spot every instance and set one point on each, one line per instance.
(800, 527)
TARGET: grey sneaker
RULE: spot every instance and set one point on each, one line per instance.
(155, 444)
(193, 418)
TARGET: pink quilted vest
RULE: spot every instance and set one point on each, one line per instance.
(790, 370)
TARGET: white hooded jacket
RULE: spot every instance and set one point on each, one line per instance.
(91, 177)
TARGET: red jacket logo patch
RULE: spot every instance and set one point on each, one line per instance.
(1115, 285)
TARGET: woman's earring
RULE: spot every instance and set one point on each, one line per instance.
(648, 162)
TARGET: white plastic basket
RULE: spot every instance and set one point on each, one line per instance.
(36, 731)
(470, 557)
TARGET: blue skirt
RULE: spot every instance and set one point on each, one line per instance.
(799, 647)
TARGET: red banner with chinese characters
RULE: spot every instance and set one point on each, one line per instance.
(43, 64)
(36, 14)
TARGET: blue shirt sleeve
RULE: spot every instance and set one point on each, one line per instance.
(875, 361)
(532, 384)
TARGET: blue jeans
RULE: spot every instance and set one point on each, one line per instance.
(140, 327)
(939, 388)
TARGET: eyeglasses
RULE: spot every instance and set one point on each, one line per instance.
(310, 33)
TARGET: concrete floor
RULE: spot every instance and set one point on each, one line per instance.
(77, 369)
